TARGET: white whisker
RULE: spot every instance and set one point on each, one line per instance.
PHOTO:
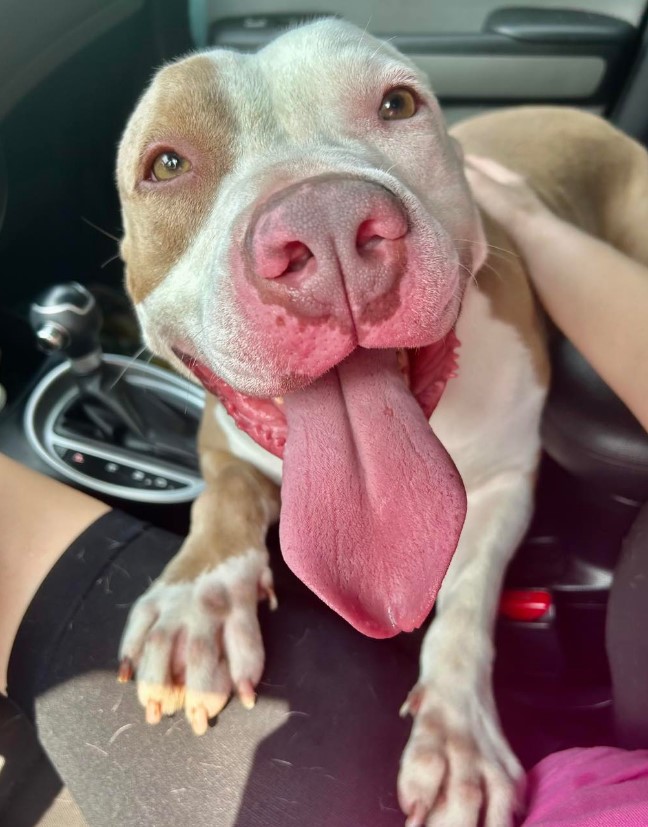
(490, 246)
(109, 260)
(380, 46)
(131, 361)
(100, 229)
(493, 270)
(471, 275)
(362, 36)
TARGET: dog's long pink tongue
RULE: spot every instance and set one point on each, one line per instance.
(372, 505)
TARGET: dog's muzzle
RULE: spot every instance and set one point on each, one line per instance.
(335, 262)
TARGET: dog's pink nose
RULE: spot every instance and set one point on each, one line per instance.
(325, 228)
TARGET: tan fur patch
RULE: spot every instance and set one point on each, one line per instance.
(584, 169)
(626, 208)
(186, 110)
(504, 280)
(558, 151)
(564, 153)
(233, 512)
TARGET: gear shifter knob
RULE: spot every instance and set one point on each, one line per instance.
(66, 318)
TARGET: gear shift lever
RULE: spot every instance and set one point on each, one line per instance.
(66, 319)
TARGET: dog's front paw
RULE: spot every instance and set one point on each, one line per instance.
(457, 768)
(191, 644)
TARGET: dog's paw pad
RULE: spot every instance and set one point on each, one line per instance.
(456, 767)
(190, 644)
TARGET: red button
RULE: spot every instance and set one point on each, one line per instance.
(525, 604)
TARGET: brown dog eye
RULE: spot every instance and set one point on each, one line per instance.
(397, 104)
(169, 165)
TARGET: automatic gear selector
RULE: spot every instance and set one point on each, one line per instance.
(110, 423)
(66, 318)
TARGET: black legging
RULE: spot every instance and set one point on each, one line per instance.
(627, 637)
(321, 748)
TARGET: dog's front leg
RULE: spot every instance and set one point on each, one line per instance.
(193, 638)
(457, 764)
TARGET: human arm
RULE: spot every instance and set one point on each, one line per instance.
(595, 294)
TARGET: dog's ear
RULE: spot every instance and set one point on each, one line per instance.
(458, 149)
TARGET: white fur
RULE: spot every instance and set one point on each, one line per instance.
(488, 420)
(276, 144)
(488, 417)
(167, 608)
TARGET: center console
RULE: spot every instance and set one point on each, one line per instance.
(117, 426)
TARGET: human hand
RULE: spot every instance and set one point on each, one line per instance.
(503, 194)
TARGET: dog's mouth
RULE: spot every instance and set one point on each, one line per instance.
(372, 505)
(425, 372)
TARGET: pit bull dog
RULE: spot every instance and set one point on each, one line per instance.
(299, 237)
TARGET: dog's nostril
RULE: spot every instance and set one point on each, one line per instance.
(367, 235)
(369, 244)
(298, 256)
(373, 232)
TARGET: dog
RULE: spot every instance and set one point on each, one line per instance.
(300, 238)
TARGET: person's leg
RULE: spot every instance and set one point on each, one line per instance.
(627, 642)
(321, 746)
(39, 518)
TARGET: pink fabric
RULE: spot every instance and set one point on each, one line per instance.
(596, 787)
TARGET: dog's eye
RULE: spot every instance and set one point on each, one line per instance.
(169, 165)
(398, 104)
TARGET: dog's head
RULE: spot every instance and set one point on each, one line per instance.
(291, 212)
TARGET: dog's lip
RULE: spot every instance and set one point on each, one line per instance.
(186, 358)
(425, 370)
(200, 369)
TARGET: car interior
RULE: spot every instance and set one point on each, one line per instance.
(83, 402)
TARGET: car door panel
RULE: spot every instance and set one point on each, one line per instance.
(477, 54)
